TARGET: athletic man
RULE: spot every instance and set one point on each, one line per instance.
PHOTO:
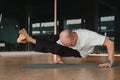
(78, 43)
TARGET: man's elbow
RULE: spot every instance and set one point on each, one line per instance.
(109, 43)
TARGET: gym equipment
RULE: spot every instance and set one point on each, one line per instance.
(53, 66)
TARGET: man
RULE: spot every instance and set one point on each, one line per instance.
(84, 41)
(47, 43)
(70, 41)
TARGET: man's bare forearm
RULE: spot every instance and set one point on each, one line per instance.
(110, 49)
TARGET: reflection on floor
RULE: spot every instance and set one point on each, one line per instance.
(10, 68)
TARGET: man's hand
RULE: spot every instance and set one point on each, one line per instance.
(58, 59)
(105, 65)
(59, 62)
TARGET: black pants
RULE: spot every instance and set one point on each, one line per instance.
(47, 43)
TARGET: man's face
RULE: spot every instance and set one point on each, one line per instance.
(68, 40)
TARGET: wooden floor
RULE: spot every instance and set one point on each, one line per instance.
(10, 68)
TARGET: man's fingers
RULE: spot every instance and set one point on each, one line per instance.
(105, 65)
(59, 62)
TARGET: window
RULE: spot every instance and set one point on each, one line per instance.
(47, 27)
(43, 28)
(35, 28)
(107, 25)
(73, 21)
(73, 24)
(108, 18)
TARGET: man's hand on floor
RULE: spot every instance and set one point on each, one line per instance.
(59, 62)
(105, 65)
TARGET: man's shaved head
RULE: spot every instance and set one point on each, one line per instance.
(65, 37)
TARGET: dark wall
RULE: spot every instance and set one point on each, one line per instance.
(17, 12)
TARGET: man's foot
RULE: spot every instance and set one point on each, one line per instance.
(22, 31)
(23, 36)
(21, 39)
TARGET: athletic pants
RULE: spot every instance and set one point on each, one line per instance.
(47, 44)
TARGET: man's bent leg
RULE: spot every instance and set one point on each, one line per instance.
(54, 48)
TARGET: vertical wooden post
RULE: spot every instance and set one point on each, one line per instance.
(55, 24)
(55, 17)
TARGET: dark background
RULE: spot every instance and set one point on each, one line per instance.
(15, 14)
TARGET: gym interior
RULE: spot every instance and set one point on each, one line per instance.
(41, 17)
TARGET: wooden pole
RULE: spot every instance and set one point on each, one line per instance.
(55, 24)
(55, 17)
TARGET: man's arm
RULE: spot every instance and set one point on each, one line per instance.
(110, 49)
